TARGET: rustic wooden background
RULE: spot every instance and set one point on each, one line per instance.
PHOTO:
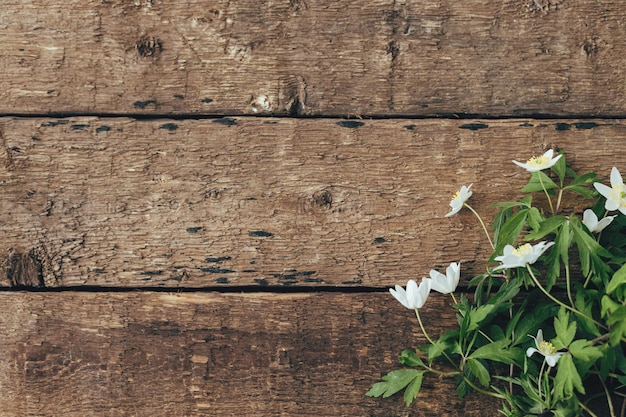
(205, 202)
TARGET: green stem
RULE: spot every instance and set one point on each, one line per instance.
(546, 192)
(539, 380)
(558, 200)
(559, 302)
(483, 391)
(569, 285)
(584, 407)
(482, 223)
(608, 398)
(419, 320)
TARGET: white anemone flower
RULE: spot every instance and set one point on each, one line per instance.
(539, 163)
(521, 256)
(615, 194)
(591, 221)
(544, 348)
(414, 297)
(447, 283)
(459, 199)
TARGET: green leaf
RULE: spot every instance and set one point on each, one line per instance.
(534, 218)
(584, 350)
(409, 358)
(395, 381)
(480, 371)
(549, 225)
(581, 185)
(478, 315)
(498, 351)
(565, 329)
(410, 393)
(538, 182)
(567, 378)
(560, 167)
(509, 232)
(618, 279)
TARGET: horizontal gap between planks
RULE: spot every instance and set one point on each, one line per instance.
(449, 116)
(221, 290)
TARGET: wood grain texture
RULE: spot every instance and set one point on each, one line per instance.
(260, 201)
(313, 57)
(166, 354)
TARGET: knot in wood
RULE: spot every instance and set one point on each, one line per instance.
(149, 46)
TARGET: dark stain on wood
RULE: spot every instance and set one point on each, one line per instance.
(474, 126)
(194, 229)
(103, 128)
(227, 121)
(218, 259)
(222, 280)
(152, 273)
(259, 233)
(53, 123)
(80, 126)
(350, 124)
(216, 270)
(585, 125)
(169, 126)
(380, 240)
(207, 100)
(562, 126)
(143, 104)
(409, 127)
(24, 270)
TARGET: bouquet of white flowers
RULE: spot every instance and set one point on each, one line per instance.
(557, 349)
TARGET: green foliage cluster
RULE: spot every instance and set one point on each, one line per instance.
(546, 338)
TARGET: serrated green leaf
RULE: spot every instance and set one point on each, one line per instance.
(538, 182)
(393, 382)
(608, 305)
(560, 167)
(410, 358)
(567, 378)
(618, 279)
(585, 351)
(549, 225)
(498, 351)
(509, 232)
(478, 315)
(564, 328)
(534, 218)
(479, 371)
(411, 392)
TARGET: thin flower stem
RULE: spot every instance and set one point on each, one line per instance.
(419, 320)
(539, 380)
(483, 391)
(608, 398)
(558, 200)
(546, 192)
(482, 223)
(559, 302)
(584, 407)
(569, 285)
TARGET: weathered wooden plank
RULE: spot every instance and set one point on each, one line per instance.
(260, 201)
(166, 354)
(304, 57)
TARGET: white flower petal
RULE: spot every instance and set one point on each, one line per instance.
(616, 178)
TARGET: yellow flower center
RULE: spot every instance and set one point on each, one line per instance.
(547, 348)
(619, 194)
(523, 250)
(538, 161)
